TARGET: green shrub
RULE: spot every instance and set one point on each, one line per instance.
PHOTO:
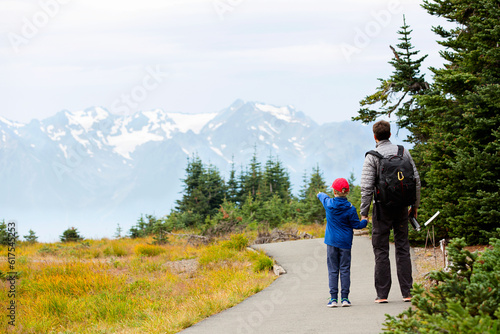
(47, 250)
(238, 242)
(216, 253)
(464, 299)
(149, 250)
(261, 261)
(115, 249)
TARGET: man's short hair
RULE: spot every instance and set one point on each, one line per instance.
(382, 130)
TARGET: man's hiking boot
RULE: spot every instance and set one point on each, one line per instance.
(379, 300)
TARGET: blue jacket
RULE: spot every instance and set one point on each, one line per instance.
(341, 219)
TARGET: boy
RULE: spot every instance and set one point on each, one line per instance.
(341, 219)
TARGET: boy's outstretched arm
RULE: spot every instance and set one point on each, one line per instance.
(323, 198)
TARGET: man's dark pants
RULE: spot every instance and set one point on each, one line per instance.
(385, 219)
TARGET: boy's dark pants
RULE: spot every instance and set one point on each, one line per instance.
(339, 261)
(385, 219)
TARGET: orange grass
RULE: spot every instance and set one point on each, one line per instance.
(81, 288)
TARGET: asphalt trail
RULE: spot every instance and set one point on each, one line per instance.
(296, 302)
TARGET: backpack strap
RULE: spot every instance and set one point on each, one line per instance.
(401, 149)
(375, 153)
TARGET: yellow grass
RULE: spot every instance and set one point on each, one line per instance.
(127, 286)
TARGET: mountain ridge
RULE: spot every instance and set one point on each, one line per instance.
(94, 169)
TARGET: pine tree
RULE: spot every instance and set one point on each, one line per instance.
(118, 233)
(71, 235)
(4, 235)
(275, 181)
(232, 186)
(459, 162)
(213, 189)
(31, 237)
(396, 95)
(204, 192)
(312, 209)
(253, 178)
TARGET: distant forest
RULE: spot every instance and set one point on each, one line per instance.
(259, 195)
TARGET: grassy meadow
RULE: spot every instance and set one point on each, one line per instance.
(130, 285)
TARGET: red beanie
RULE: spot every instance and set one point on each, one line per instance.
(340, 184)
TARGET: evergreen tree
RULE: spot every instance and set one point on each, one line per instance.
(459, 162)
(276, 180)
(305, 186)
(253, 178)
(31, 237)
(454, 124)
(118, 233)
(232, 186)
(192, 198)
(204, 192)
(242, 191)
(213, 189)
(143, 228)
(312, 209)
(397, 94)
(354, 192)
(71, 235)
(4, 235)
(160, 232)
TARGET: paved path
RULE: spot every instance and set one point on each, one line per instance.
(296, 302)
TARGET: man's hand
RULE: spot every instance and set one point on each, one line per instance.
(413, 211)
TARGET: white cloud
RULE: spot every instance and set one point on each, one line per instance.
(276, 51)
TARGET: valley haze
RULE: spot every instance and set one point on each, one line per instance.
(92, 169)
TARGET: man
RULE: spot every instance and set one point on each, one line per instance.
(386, 218)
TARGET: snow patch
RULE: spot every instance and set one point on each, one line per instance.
(214, 127)
(55, 136)
(127, 142)
(76, 134)
(86, 119)
(282, 113)
(193, 122)
(10, 123)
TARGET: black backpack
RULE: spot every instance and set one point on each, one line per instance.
(396, 184)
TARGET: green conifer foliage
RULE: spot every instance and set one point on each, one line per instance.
(31, 237)
(463, 299)
(460, 163)
(71, 235)
(395, 95)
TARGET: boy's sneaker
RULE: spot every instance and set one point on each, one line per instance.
(345, 302)
(332, 303)
(379, 300)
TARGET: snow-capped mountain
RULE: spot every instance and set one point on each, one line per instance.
(92, 169)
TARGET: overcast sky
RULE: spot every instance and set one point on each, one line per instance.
(194, 56)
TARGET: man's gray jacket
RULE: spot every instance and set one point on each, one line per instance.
(370, 172)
